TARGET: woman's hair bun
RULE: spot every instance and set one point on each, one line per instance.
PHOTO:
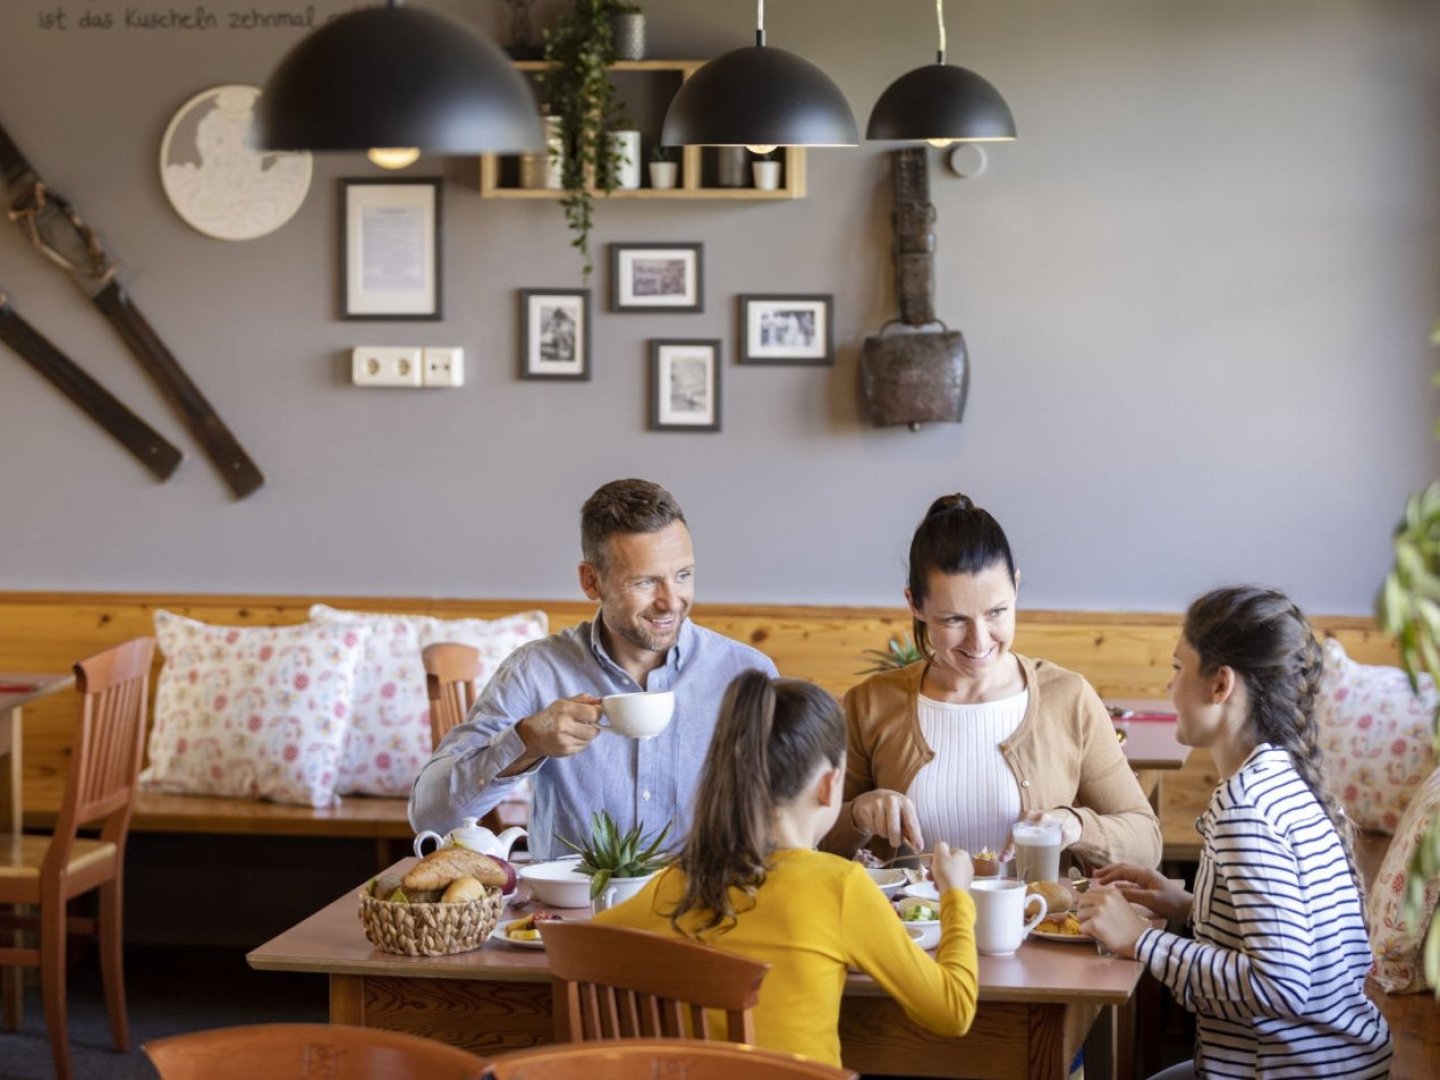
(946, 503)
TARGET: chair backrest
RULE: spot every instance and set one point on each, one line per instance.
(625, 1059)
(450, 671)
(109, 741)
(295, 1051)
(611, 982)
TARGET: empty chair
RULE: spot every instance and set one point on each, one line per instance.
(296, 1051)
(48, 871)
(613, 983)
(450, 671)
(624, 1059)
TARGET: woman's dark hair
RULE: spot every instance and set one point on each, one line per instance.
(771, 736)
(956, 537)
(1266, 640)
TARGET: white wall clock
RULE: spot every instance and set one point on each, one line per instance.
(216, 181)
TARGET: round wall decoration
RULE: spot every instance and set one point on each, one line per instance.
(216, 181)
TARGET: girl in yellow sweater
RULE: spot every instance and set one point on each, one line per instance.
(749, 880)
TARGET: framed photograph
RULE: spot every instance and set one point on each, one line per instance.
(555, 333)
(787, 330)
(390, 249)
(685, 386)
(656, 277)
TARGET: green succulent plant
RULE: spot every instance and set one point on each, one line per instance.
(609, 853)
(900, 651)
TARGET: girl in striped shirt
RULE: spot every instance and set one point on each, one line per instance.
(1275, 970)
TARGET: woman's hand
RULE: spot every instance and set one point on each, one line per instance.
(1107, 916)
(952, 868)
(889, 814)
(1164, 896)
(1069, 823)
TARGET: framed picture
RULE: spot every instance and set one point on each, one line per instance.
(555, 333)
(685, 386)
(787, 330)
(390, 249)
(656, 277)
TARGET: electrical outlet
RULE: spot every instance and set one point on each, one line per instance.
(373, 365)
(444, 366)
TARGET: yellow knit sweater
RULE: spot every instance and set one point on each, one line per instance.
(815, 915)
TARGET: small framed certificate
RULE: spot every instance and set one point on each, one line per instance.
(390, 256)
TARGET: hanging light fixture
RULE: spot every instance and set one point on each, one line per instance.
(397, 82)
(941, 103)
(762, 98)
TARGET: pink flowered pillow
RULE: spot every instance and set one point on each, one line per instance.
(254, 712)
(1398, 947)
(1376, 737)
(390, 732)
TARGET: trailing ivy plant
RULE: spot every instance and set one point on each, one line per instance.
(579, 91)
(1409, 608)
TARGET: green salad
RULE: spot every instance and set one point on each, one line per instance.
(920, 913)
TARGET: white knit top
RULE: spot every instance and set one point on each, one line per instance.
(966, 795)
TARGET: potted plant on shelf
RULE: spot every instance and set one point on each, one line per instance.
(664, 169)
(618, 864)
(579, 91)
(766, 170)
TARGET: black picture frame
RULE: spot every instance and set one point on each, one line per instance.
(682, 396)
(390, 250)
(657, 278)
(787, 328)
(544, 351)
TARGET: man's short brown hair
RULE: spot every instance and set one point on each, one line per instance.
(624, 506)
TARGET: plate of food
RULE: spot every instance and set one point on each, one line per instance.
(1062, 926)
(523, 933)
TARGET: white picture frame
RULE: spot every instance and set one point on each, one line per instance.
(787, 329)
(390, 255)
(685, 385)
(657, 277)
(555, 334)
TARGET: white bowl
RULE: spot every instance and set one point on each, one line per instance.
(889, 881)
(924, 932)
(558, 883)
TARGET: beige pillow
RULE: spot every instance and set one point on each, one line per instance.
(1399, 947)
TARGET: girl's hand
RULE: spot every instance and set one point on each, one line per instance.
(952, 868)
(1107, 916)
(1069, 823)
(889, 814)
(1164, 896)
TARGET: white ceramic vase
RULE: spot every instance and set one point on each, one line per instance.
(626, 145)
(663, 174)
(767, 174)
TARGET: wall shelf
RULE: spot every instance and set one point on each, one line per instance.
(499, 174)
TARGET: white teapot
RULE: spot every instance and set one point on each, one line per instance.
(471, 834)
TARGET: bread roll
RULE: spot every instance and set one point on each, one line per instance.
(1058, 895)
(463, 889)
(438, 869)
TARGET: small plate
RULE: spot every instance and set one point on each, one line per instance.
(924, 890)
(1045, 935)
(499, 934)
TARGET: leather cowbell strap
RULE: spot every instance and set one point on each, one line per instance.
(57, 231)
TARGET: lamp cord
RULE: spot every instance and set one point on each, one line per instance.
(759, 22)
(940, 21)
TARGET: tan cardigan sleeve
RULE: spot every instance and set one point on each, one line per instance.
(844, 839)
(1117, 821)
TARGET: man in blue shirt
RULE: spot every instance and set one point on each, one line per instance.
(539, 716)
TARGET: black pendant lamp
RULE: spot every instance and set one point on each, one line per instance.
(941, 103)
(394, 77)
(759, 97)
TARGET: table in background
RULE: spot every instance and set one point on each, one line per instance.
(1150, 744)
(12, 701)
(1036, 1007)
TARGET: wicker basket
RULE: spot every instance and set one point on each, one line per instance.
(430, 929)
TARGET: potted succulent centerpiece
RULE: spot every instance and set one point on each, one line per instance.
(618, 864)
(664, 169)
(579, 90)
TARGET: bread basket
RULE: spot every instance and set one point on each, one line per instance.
(430, 929)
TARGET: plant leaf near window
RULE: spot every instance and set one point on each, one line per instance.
(580, 92)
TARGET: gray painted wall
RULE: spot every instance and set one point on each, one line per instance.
(1197, 294)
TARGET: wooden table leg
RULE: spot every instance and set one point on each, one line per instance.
(12, 979)
(347, 1000)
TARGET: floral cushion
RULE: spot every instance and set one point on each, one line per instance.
(1398, 947)
(1375, 733)
(255, 712)
(390, 731)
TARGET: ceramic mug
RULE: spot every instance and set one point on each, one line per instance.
(1000, 923)
(640, 716)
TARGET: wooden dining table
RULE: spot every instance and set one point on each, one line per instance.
(1037, 1007)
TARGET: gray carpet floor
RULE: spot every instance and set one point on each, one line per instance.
(169, 991)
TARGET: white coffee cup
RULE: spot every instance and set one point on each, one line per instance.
(640, 716)
(1000, 923)
(1037, 850)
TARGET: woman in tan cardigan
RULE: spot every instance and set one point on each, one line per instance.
(961, 744)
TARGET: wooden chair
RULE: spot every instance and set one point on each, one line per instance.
(296, 1051)
(611, 982)
(49, 871)
(624, 1059)
(450, 671)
